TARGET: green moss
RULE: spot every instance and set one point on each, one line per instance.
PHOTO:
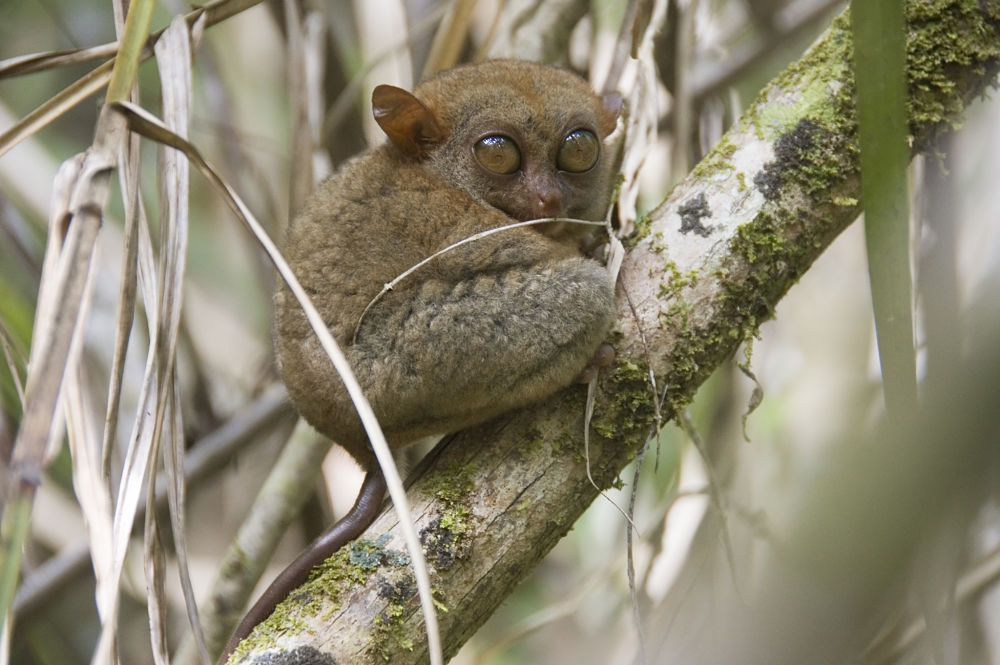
(808, 113)
(321, 590)
(776, 252)
(815, 80)
(640, 231)
(812, 157)
(628, 408)
(400, 591)
(444, 540)
(808, 110)
(812, 98)
(389, 634)
(950, 43)
(452, 482)
(455, 520)
(676, 281)
(563, 445)
(761, 241)
(718, 159)
(742, 305)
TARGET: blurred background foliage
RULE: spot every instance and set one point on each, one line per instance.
(816, 361)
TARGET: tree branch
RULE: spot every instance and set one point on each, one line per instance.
(711, 264)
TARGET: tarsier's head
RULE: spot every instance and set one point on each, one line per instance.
(525, 138)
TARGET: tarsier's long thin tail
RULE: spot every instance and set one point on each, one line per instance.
(353, 524)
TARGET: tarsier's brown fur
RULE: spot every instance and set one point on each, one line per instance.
(492, 325)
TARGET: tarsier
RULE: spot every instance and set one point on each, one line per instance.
(486, 327)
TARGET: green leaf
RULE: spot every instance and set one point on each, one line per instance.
(880, 74)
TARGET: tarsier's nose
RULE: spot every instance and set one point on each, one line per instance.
(548, 203)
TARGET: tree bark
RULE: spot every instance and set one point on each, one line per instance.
(709, 266)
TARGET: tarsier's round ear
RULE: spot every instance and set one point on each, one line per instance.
(409, 124)
(611, 108)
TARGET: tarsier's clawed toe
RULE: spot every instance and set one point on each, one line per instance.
(603, 357)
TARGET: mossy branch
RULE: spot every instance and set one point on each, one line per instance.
(710, 265)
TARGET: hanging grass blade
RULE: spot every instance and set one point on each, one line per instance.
(879, 63)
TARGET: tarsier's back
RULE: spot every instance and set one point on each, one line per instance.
(491, 325)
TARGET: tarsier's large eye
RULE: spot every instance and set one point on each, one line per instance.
(498, 154)
(578, 151)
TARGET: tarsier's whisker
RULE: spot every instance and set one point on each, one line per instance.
(388, 286)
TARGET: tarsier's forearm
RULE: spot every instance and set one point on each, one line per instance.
(461, 352)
